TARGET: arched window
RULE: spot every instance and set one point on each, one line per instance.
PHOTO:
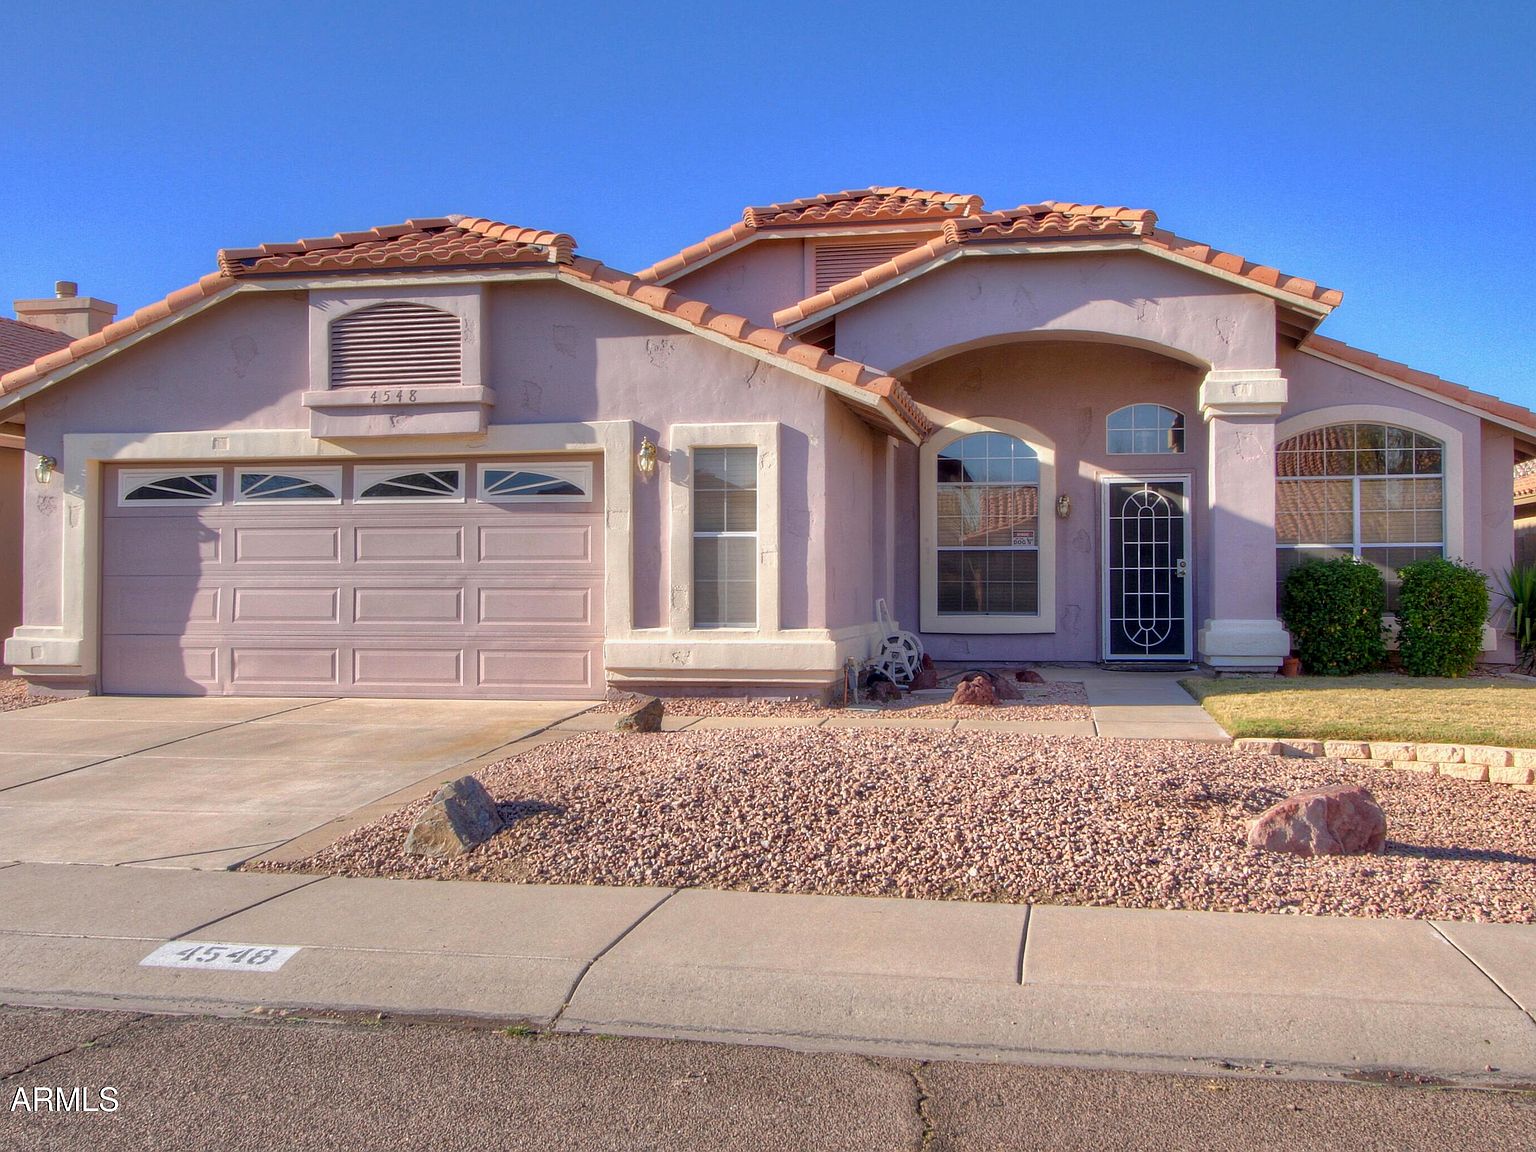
(1372, 491)
(1145, 430)
(988, 524)
(396, 344)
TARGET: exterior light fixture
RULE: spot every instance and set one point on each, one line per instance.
(1063, 506)
(45, 467)
(645, 459)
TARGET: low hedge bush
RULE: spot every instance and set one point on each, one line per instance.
(1332, 609)
(1440, 612)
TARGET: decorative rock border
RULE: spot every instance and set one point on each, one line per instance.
(1477, 762)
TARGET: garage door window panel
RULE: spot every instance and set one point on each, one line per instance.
(143, 488)
(535, 483)
(288, 487)
(421, 483)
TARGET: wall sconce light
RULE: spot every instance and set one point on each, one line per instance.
(1063, 506)
(645, 459)
(45, 467)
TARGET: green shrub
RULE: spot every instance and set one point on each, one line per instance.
(1520, 587)
(1332, 609)
(1440, 614)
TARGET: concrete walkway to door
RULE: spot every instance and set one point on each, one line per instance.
(208, 782)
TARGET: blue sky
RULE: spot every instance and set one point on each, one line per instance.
(1386, 149)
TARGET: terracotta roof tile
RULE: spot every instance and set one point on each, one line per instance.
(1359, 358)
(876, 205)
(21, 343)
(864, 205)
(437, 242)
(1053, 220)
(1525, 480)
(448, 238)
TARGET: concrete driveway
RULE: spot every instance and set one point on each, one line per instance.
(208, 782)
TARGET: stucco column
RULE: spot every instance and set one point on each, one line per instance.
(1243, 631)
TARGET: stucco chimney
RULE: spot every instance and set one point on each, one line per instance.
(67, 311)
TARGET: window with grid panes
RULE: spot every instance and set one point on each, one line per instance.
(1372, 491)
(988, 491)
(724, 537)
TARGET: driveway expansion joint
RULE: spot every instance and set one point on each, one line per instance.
(1524, 1011)
(246, 908)
(609, 947)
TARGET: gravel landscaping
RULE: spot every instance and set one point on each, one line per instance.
(14, 696)
(969, 816)
(1052, 701)
(719, 705)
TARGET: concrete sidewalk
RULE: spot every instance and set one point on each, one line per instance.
(914, 978)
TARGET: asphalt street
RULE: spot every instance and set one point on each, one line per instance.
(216, 1083)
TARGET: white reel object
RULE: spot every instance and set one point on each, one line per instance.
(900, 654)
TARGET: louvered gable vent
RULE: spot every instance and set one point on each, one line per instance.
(835, 263)
(395, 344)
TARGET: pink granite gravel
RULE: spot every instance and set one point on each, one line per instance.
(970, 816)
(720, 705)
(1055, 701)
(14, 695)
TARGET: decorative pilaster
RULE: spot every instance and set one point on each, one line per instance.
(1243, 631)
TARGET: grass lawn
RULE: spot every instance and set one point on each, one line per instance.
(1376, 707)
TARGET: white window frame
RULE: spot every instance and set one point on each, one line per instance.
(1357, 546)
(928, 534)
(681, 440)
(365, 476)
(578, 473)
(698, 534)
(328, 477)
(132, 478)
(940, 549)
(1183, 428)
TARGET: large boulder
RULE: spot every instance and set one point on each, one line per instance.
(461, 815)
(645, 716)
(1340, 821)
(974, 690)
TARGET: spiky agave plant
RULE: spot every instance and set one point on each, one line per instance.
(1520, 587)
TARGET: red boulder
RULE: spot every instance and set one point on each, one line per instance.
(1341, 821)
(976, 690)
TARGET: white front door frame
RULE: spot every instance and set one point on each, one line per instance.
(1184, 479)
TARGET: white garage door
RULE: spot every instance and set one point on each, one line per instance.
(428, 578)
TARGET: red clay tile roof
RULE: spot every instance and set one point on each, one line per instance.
(877, 205)
(1392, 369)
(435, 242)
(1525, 481)
(1052, 220)
(459, 241)
(21, 343)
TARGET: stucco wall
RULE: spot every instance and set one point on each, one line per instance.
(1067, 391)
(10, 540)
(1125, 296)
(555, 354)
(852, 520)
(754, 281)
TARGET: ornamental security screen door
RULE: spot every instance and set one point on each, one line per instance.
(1146, 568)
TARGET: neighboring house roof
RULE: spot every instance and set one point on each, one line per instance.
(1525, 483)
(467, 243)
(1052, 221)
(21, 343)
(1351, 357)
(884, 207)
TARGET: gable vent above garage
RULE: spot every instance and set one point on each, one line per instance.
(396, 344)
(834, 263)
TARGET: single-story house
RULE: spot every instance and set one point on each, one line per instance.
(40, 327)
(452, 457)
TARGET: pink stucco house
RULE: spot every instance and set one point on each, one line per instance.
(453, 458)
